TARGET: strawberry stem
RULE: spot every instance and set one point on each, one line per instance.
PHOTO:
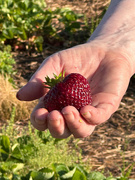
(51, 82)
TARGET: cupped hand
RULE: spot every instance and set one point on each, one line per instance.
(108, 72)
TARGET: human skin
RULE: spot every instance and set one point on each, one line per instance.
(107, 60)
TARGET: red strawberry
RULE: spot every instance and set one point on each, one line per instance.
(74, 90)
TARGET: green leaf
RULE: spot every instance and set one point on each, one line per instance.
(17, 167)
(48, 173)
(78, 175)
(8, 33)
(23, 5)
(4, 154)
(14, 146)
(41, 175)
(68, 174)
(39, 43)
(81, 169)
(75, 25)
(123, 178)
(7, 167)
(56, 140)
(60, 168)
(16, 153)
(96, 176)
(4, 167)
(48, 19)
(51, 82)
(5, 143)
(22, 33)
(16, 177)
(36, 175)
(111, 178)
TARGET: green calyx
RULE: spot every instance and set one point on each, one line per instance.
(51, 82)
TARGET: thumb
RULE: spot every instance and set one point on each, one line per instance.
(32, 90)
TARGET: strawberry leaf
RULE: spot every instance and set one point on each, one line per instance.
(51, 82)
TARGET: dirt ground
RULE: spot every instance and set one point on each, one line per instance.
(112, 145)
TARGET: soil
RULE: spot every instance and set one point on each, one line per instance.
(112, 145)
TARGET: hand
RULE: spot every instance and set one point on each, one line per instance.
(108, 72)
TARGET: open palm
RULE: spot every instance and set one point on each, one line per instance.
(108, 73)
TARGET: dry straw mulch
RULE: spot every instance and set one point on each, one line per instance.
(9, 100)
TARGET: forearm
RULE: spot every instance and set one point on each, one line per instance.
(119, 17)
(117, 29)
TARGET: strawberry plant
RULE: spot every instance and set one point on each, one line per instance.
(20, 19)
(13, 152)
(25, 24)
(8, 170)
(16, 154)
(56, 172)
(70, 19)
(6, 63)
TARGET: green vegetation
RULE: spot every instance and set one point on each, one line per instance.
(32, 151)
(27, 24)
(33, 155)
(6, 62)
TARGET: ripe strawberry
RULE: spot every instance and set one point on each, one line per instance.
(72, 90)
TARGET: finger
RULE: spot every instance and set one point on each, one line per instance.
(57, 126)
(103, 106)
(76, 123)
(39, 117)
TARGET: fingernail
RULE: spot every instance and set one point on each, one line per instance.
(39, 121)
(17, 96)
(87, 115)
(55, 122)
(68, 115)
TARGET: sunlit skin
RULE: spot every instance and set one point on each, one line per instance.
(107, 60)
